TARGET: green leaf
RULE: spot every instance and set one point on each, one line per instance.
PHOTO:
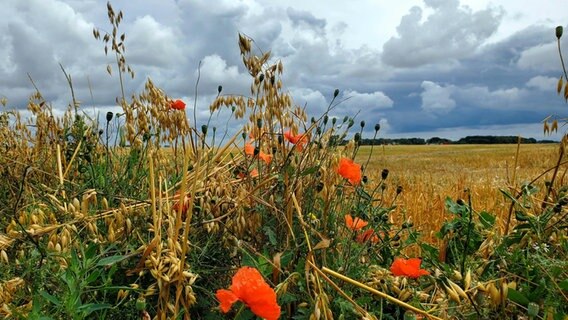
(517, 297)
(50, 298)
(92, 307)
(487, 219)
(111, 260)
(563, 285)
(271, 235)
(309, 171)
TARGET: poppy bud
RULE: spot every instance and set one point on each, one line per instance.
(384, 173)
(362, 124)
(244, 135)
(406, 225)
(313, 120)
(351, 123)
(396, 238)
(272, 80)
(333, 120)
(357, 137)
(460, 202)
(233, 108)
(318, 130)
(219, 89)
(256, 151)
(100, 132)
(109, 116)
(274, 150)
(559, 30)
(261, 77)
(398, 190)
(385, 217)
(365, 179)
(345, 119)
(319, 186)
(325, 119)
(259, 123)
(204, 129)
(335, 93)
(533, 309)
(377, 127)
(280, 139)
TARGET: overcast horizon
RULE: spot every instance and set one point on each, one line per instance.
(431, 68)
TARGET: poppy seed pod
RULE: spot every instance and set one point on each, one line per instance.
(335, 93)
(377, 127)
(259, 123)
(399, 190)
(109, 116)
(325, 119)
(204, 129)
(365, 179)
(384, 173)
(559, 30)
(363, 124)
(219, 89)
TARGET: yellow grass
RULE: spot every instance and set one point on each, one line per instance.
(430, 173)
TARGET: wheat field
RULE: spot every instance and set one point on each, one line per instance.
(430, 173)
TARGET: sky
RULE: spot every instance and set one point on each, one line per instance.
(420, 68)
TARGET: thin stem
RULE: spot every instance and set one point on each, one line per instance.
(562, 60)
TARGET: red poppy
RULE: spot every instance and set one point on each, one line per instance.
(368, 236)
(265, 157)
(349, 170)
(355, 224)
(177, 105)
(408, 268)
(253, 174)
(299, 139)
(249, 150)
(249, 287)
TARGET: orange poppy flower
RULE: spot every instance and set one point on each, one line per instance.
(299, 139)
(349, 170)
(177, 105)
(249, 150)
(253, 174)
(355, 224)
(368, 236)
(249, 287)
(265, 157)
(408, 268)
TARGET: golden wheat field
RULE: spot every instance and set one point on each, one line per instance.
(430, 173)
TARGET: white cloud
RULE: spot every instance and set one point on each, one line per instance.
(374, 100)
(153, 44)
(450, 32)
(542, 83)
(436, 99)
(215, 72)
(543, 57)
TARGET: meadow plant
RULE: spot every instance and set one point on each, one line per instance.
(281, 213)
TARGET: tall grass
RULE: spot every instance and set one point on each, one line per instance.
(136, 230)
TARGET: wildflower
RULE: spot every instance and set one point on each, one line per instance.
(249, 150)
(265, 157)
(184, 204)
(408, 268)
(177, 105)
(249, 287)
(355, 224)
(350, 170)
(253, 174)
(299, 139)
(368, 236)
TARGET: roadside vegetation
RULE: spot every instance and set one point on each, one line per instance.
(278, 221)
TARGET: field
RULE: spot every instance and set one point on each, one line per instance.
(100, 220)
(430, 173)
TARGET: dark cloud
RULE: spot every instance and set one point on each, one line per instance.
(442, 70)
(451, 32)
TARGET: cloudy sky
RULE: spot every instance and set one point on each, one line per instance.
(420, 68)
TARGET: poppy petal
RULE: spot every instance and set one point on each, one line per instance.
(227, 299)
